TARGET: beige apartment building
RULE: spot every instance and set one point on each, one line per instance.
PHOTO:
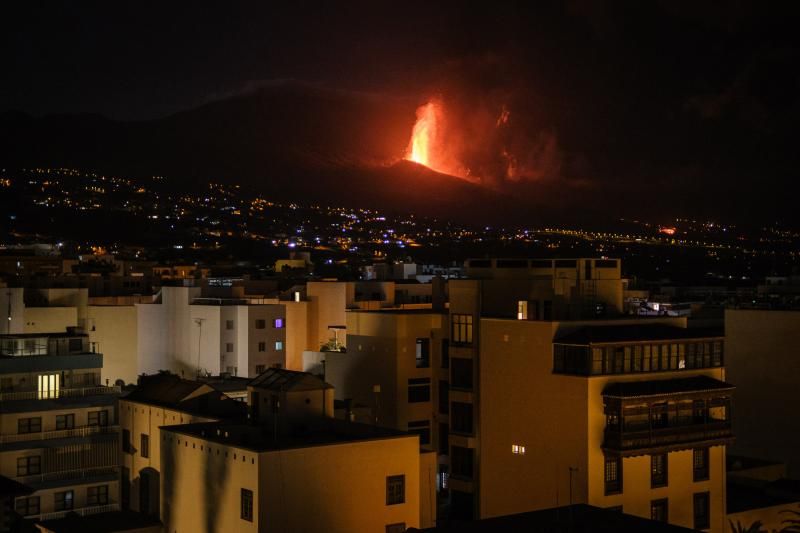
(58, 425)
(159, 400)
(555, 399)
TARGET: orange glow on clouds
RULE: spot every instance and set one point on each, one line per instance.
(667, 231)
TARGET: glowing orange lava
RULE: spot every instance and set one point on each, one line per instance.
(423, 137)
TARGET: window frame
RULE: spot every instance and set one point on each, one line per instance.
(614, 486)
(396, 489)
(64, 500)
(144, 445)
(701, 521)
(658, 480)
(246, 504)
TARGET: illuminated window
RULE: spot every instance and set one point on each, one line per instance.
(278, 323)
(516, 449)
(49, 385)
(461, 329)
(278, 346)
(423, 359)
(522, 310)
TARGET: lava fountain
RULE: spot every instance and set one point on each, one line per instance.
(424, 135)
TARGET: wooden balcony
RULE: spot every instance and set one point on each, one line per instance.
(665, 439)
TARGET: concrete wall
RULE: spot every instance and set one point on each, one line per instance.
(114, 329)
(50, 319)
(762, 357)
(12, 306)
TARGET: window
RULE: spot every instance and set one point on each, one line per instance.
(547, 310)
(48, 386)
(28, 506)
(396, 528)
(702, 510)
(144, 449)
(461, 329)
(419, 390)
(98, 418)
(278, 323)
(229, 347)
(126, 441)
(461, 460)
(444, 397)
(613, 475)
(461, 373)
(658, 470)
(516, 449)
(445, 353)
(278, 346)
(64, 501)
(75, 345)
(444, 438)
(421, 428)
(229, 324)
(262, 346)
(700, 464)
(522, 310)
(29, 425)
(247, 505)
(29, 466)
(395, 490)
(423, 353)
(65, 421)
(260, 369)
(261, 323)
(461, 417)
(659, 510)
(97, 495)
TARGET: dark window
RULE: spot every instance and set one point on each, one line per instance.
(144, 449)
(228, 347)
(75, 345)
(395, 490)
(396, 528)
(658, 470)
(461, 329)
(444, 397)
(444, 438)
(97, 495)
(98, 418)
(29, 466)
(65, 421)
(702, 510)
(229, 324)
(659, 510)
(260, 369)
(613, 475)
(587, 268)
(700, 464)
(445, 353)
(461, 373)
(126, 441)
(261, 323)
(461, 461)
(247, 505)
(419, 390)
(262, 346)
(29, 425)
(423, 353)
(547, 310)
(461, 417)
(64, 501)
(28, 506)
(421, 428)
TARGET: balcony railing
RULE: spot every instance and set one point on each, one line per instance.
(640, 441)
(58, 434)
(76, 475)
(83, 511)
(58, 393)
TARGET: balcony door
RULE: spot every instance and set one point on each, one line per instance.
(48, 386)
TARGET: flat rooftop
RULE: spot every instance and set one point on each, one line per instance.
(261, 437)
(636, 333)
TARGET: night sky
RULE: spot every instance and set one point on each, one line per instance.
(648, 99)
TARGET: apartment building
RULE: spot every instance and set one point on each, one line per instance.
(396, 364)
(58, 425)
(158, 400)
(554, 399)
(322, 475)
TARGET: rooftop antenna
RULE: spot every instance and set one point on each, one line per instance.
(199, 322)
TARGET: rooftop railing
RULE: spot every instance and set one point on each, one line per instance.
(58, 393)
(82, 511)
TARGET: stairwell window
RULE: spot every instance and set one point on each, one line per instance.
(247, 505)
(144, 449)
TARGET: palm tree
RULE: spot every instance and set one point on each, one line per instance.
(755, 527)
